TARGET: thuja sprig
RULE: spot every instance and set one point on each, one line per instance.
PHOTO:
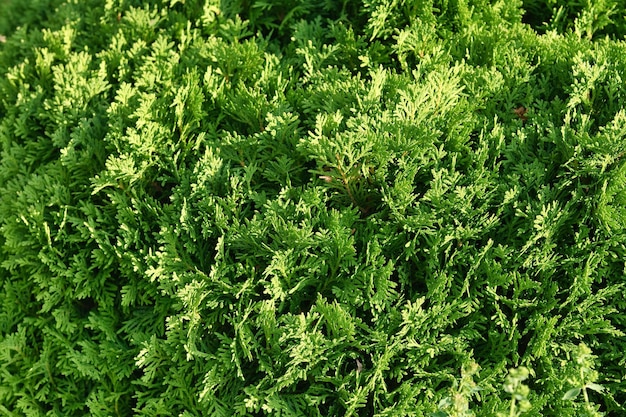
(345, 180)
(346, 157)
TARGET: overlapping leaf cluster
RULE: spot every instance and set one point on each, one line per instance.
(312, 208)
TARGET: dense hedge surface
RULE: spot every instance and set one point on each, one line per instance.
(312, 208)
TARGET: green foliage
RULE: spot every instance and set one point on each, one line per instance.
(294, 208)
(586, 18)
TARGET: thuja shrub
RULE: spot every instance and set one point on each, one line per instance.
(312, 208)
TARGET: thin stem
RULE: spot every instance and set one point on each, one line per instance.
(585, 396)
(344, 180)
(512, 409)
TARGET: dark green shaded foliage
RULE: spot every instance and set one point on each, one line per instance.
(591, 19)
(376, 208)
